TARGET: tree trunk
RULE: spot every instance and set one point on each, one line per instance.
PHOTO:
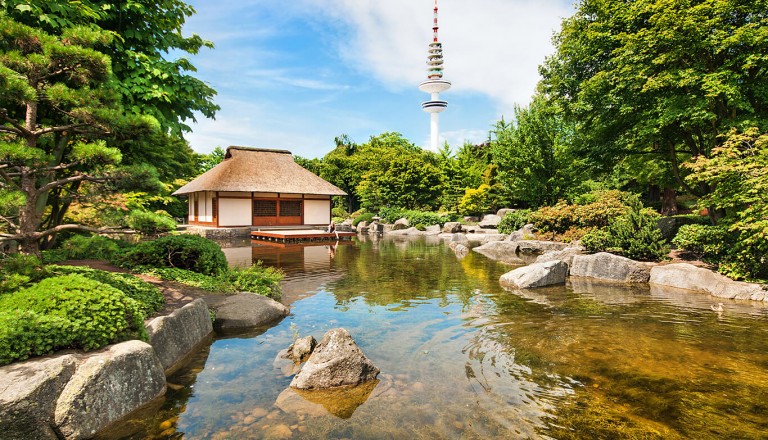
(669, 202)
(29, 218)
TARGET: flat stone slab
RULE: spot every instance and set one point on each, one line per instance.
(689, 277)
(505, 251)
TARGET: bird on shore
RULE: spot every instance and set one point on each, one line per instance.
(717, 308)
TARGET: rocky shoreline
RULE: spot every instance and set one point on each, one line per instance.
(75, 395)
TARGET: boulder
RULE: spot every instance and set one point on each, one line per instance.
(461, 251)
(566, 255)
(689, 277)
(245, 311)
(536, 275)
(537, 247)
(336, 361)
(108, 385)
(490, 221)
(341, 402)
(504, 211)
(409, 231)
(362, 227)
(505, 251)
(523, 233)
(493, 237)
(610, 267)
(458, 239)
(452, 227)
(300, 350)
(470, 219)
(28, 393)
(475, 239)
(433, 230)
(345, 226)
(399, 224)
(176, 335)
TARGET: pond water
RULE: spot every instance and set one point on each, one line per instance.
(462, 358)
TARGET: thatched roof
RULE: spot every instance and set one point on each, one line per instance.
(260, 170)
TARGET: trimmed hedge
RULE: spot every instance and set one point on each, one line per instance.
(150, 223)
(93, 247)
(149, 297)
(189, 252)
(514, 220)
(69, 311)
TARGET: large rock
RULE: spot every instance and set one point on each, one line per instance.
(490, 221)
(566, 255)
(301, 349)
(28, 393)
(689, 277)
(409, 231)
(362, 227)
(452, 227)
(107, 386)
(610, 267)
(505, 251)
(537, 247)
(399, 224)
(433, 230)
(176, 335)
(536, 275)
(488, 238)
(458, 239)
(336, 361)
(504, 211)
(245, 311)
(524, 233)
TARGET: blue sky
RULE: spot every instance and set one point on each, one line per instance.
(294, 75)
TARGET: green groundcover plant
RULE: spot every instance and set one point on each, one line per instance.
(68, 311)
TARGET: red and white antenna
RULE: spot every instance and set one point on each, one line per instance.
(434, 83)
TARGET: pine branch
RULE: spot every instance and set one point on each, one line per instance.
(78, 178)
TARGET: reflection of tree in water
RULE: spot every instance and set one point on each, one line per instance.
(404, 271)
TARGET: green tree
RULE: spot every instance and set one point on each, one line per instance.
(55, 113)
(207, 161)
(738, 173)
(660, 79)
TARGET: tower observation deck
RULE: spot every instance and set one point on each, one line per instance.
(435, 84)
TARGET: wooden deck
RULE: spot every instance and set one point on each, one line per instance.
(299, 235)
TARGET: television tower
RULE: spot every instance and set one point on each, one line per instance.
(434, 84)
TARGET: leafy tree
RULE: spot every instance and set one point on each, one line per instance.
(532, 155)
(56, 111)
(145, 33)
(738, 173)
(660, 79)
(207, 161)
(403, 181)
(340, 167)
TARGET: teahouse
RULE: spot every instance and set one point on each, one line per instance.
(259, 187)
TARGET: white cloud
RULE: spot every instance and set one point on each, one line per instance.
(493, 47)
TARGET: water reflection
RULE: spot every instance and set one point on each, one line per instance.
(463, 358)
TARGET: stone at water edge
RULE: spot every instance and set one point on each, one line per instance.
(606, 266)
(245, 311)
(452, 227)
(336, 361)
(301, 349)
(402, 223)
(536, 275)
(28, 393)
(490, 221)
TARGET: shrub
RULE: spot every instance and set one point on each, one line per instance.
(555, 219)
(634, 235)
(62, 312)
(257, 279)
(339, 212)
(514, 220)
(391, 215)
(367, 217)
(97, 247)
(150, 223)
(190, 252)
(18, 270)
(709, 243)
(149, 297)
(475, 201)
(189, 278)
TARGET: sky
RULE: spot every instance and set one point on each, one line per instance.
(295, 75)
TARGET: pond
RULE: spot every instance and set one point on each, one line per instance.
(462, 358)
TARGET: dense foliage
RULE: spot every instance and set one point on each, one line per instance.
(255, 279)
(189, 252)
(514, 220)
(634, 234)
(66, 311)
(150, 223)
